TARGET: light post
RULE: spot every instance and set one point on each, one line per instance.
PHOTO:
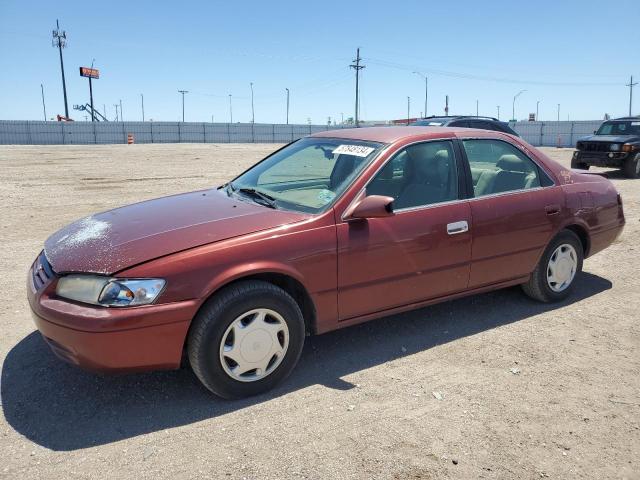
(426, 91)
(537, 110)
(498, 106)
(142, 105)
(183, 92)
(253, 117)
(287, 105)
(408, 109)
(513, 114)
(230, 110)
(558, 112)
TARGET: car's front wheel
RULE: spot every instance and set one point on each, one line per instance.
(577, 164)
(631, 167)
(246, 339)
(553, 278)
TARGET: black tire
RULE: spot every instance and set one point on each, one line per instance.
(631, 167)
(577, 164)
(212, 321)
(537, 287)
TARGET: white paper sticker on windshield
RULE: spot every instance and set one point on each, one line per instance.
(635, 123)
(356, 150)
(435, 123)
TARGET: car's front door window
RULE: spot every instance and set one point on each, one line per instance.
(419, 175)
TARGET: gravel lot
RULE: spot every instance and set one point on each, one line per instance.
(427, 394)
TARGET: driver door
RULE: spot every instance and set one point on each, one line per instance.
(421, 252)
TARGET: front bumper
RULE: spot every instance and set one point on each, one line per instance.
(149, 337)
(601, 159)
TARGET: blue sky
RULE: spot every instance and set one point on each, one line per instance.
(559, 52)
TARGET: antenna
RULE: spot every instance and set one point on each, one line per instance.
(59, 40)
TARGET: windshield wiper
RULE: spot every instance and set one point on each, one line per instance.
(267, 200)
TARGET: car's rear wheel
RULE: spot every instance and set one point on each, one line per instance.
(631, 167)
(579, 165)
(246, 339)
(554, 276)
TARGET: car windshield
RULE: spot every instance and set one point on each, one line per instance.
(306, 175)
(620, 128)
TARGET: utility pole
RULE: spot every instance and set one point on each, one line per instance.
(498, 106)
(230, 110)
(142, 104)
(104, 110)
(287, 105)
(558, 112)
(116, 105)
(631, 85)
(408, 109)
(44, 108)
(60, 41)
(513, 114)
(477, 109)
(183, 92)
(446, 105)
(537, 109)
(253, 116)
(426, 91)
(121, 115)
(357, 67)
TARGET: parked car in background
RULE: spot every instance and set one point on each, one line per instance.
(335, 229)
(615, 144)
(484, 123)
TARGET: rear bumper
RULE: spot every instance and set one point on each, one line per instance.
(111, 339)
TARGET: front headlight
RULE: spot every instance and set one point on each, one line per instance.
(109, 292)
(615, 147)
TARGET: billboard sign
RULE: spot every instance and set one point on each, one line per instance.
(89, 72)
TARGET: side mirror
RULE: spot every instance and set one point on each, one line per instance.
(373, 206)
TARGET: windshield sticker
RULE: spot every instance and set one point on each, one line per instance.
(435, 123)
(635, 124)
(356, 150)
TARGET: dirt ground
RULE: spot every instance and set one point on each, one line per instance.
(427, 394)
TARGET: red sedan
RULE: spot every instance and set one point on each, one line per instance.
(332, 230)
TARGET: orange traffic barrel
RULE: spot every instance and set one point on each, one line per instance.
(130, 139)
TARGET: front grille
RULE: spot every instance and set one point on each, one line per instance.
(595, 147)
(42, 272)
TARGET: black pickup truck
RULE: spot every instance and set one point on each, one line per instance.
(615, 144)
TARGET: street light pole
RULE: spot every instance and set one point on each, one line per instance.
(253, 117)
(537, 109)
(121, 115)
(477, 102)
(558, 112)
(408, 109)
(426, 91)
(498, 111)
(230, 110)
(183, 92)
(142, 102)
(44, 108)
(513, 114)
(287, 105)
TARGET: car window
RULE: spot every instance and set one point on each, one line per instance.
(498, 166)
(460, 123)
(421, 174)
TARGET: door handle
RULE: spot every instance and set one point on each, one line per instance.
(552, 209)
(457, 227)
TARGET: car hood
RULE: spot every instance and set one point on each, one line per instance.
(111, 241)
(610, 138)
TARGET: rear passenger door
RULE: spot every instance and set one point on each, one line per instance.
(515, 210)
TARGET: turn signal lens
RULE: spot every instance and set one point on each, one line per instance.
(627, 147)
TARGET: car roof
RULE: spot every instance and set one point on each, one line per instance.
(394, 134)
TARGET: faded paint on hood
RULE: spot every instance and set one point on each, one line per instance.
(111, 241)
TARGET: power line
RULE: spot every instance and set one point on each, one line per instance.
(357, 67)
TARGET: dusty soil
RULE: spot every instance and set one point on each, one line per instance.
(362, 402)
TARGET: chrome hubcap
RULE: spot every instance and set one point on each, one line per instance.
(562, 267)
(254, 345)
